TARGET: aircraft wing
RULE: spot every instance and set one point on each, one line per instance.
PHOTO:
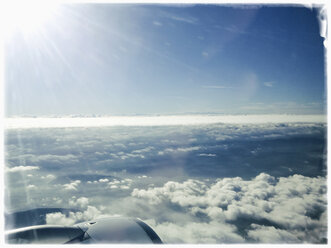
(107, 230)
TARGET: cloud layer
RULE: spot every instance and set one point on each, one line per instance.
(220, 183)
(228, 210)
(12, 123)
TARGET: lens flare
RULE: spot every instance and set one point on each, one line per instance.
(25, 16)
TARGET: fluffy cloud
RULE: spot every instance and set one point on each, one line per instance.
(270, 234)
(59, 219)
(74, 217)
(197, 232)
(120, 184)
(31, 186)
(81, 202)
(103, 180)
(287, 206)
(72, 185)
(48, 177)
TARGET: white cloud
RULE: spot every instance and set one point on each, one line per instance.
(72, 185)
(213, 232)
(179, 149)
(144, 150)
(81, 202)
(59, 219)
(120, 184)
(103, 180)
(74, 217)
(270, 234)
(184, 19)
(269, 84)
(48, 177)
(207, 155)
(22, 168)
(143, 176)
(287, 202)
(156, 23)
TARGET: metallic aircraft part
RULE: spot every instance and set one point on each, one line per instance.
(107, 230)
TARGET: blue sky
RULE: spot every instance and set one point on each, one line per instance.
(167, 59)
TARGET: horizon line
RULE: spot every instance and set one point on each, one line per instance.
(159, 120)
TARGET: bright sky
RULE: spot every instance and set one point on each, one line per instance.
(159, 59)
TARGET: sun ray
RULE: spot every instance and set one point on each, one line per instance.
(26, 16)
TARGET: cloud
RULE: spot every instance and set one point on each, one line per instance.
(49, 176)
(213, 193)
(180, 193)
(269, 84)
(72, 186)
(207, 155)
(156, 23)
(59, 219)
(270, 234)
(103, 180)
(31, 186)
(60, 159)
(81, 202)
(120, 184)
(74, 217)
(205, 54)
(143, 176)
(213, 232)
(286, 206)
(144, 150)
(189, 20)
(179, 150)
(21, 168)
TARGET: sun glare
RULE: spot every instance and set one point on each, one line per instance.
(25, 16)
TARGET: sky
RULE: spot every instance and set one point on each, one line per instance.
(172, 156)
(105, 59)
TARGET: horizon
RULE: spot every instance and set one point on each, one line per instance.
(156, 120)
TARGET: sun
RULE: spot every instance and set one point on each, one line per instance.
(25, 16)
